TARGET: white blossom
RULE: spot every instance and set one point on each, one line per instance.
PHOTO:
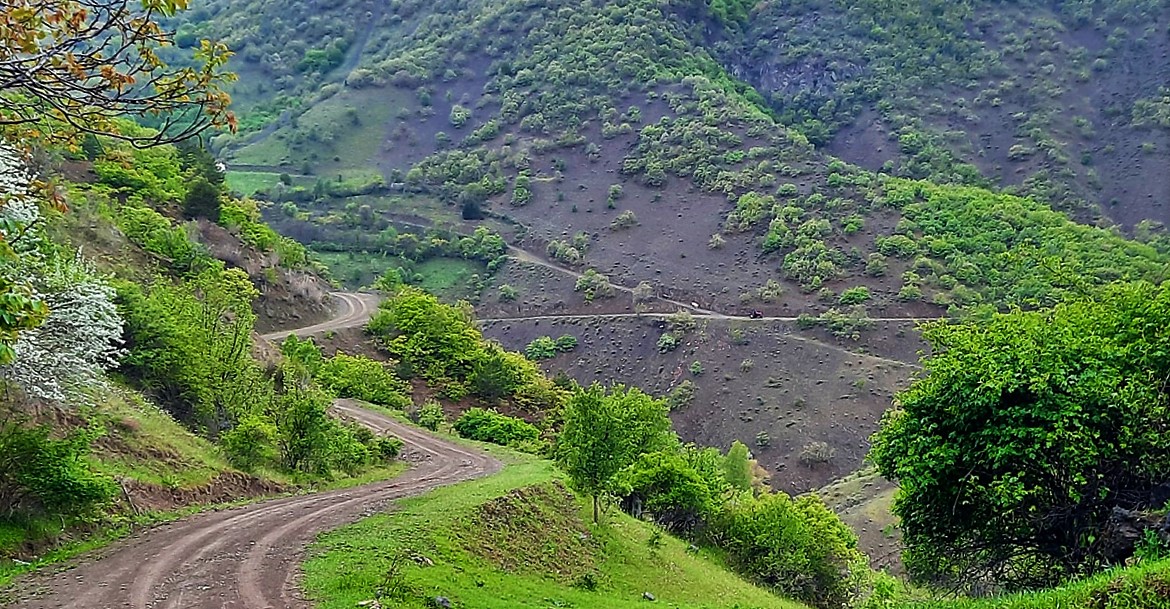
(77, 342)
(15, 176)
(80, 338)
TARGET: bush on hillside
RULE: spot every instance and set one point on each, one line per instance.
(664, 484)
(796, 546)
(251, 443)
(43, 475)
(430, 416)
(490, 426)
(361, 378)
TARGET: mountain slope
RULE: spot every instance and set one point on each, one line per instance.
(731, 155)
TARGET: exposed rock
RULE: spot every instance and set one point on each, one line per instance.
(1124, 529)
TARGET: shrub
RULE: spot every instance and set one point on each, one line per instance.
(797, 546)
(251, 443)
(667, 342)
(899, 246)
(41, 474)
(430, 416)
(910, 292)
(566, 343)
(696, 368)
(594, 285)
(876, 265)
(490, 426)
(624, 220)
(814, 453)
(361, 378)
(386, 448)
(682, 395)
(855, 295)
(543, 347)
(665, 485)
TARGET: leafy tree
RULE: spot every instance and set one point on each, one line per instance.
(665, 484)
(1026, 433)
(61, 67)
(303, 428)
(190, 344)
(436, 340)
(737, 466)
(497, 374)
(305, 353)
(251, 442)
(361, 378)
(202, 201)
(604, 432)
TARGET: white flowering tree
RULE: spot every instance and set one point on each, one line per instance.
(19, 310)
(73, 331)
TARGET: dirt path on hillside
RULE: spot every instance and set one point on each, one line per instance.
(353, 310)
(246, 557)
(700, 315)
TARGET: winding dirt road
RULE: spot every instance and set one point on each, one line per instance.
(246, 557)
(354, 310)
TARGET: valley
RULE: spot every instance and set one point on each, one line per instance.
(817, 303)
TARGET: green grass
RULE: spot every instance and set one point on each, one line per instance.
(341, 133)
(444, 277)
(145, 444)
(447, 526)
(447, 277)
(358, 269)
(247, 183)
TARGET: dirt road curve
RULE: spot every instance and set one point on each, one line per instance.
(354, 310)
(247, 557)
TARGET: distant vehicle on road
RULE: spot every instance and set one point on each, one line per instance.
(756, 314)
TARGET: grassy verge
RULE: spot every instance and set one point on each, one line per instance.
(515, 539)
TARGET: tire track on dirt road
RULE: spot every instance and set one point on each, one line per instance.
(354, 310)
(248, 557)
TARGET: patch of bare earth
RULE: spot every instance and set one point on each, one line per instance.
(761, 383)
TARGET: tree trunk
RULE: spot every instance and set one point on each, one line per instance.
(595, 509)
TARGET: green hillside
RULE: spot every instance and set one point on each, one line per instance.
(516, 539)
(691, 262)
